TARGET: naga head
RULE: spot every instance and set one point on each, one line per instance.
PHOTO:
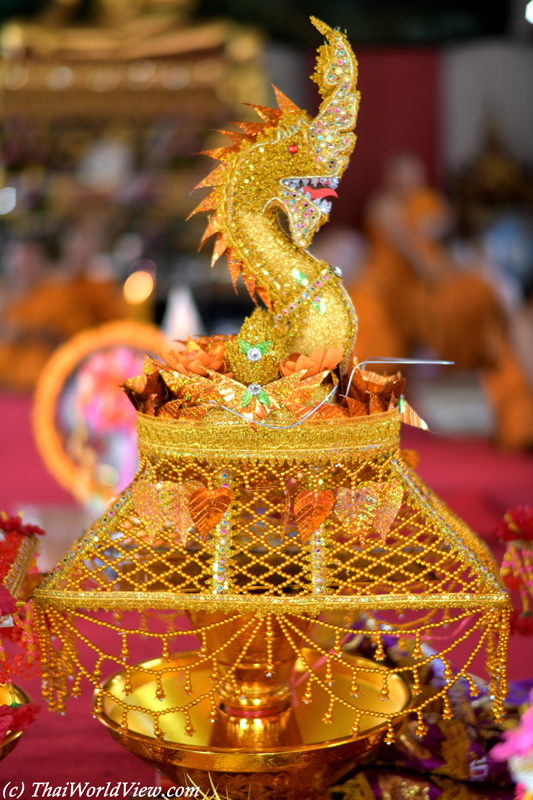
(289, 161)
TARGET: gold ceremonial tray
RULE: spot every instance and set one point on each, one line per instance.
(312, 756)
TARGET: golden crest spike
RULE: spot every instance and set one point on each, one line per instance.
(213, 227)
(234, 266)
(251, 128)
(270, 115)
(209, 203)
(220, 153)
(220, 245)
(238, 139)
(215, 178)
(285, 103)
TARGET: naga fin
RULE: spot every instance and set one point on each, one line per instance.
(238, 139)
(220, 246)
(220, 153)
(249, 282)
(234, 266)
(285, 104)
(215, 178)
(213, 227)
(252, 128)
(270, 115)
(265, 297)
(209, 203)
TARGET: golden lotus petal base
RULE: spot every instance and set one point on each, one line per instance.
(7, 696)
(294, 756)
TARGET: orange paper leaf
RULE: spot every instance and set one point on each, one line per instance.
(208, 506)
(311, 509)
(390, 501)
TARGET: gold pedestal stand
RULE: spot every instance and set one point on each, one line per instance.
(272, 754)
(10, 694)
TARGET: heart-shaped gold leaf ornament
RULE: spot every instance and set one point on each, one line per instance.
(146, 501)
(163, 502)
(311, 509)
(208, 506)
(356, 508)
(390, 502)
(371, 506)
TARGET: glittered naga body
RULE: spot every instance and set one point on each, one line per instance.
(274, 521)
(289, 163)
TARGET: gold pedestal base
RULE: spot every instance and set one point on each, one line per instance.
(7, 696)
(294, 756)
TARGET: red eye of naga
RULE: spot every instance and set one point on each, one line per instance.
(293, 148)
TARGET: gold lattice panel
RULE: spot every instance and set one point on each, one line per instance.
(382, 557)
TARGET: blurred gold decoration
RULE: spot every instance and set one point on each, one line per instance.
(11, 694)
(263, 546)
(73, 460)
(494, 183)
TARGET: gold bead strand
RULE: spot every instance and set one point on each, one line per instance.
(384, 693)
(76, 689)
(379, 655)
(415, 689)
(128, 687)
(159, 691)
(308, 696)
(189, 730)
(421, 728)
(354, 687)
(328, 716)
(124, 721)
(417, 649)
(389, 738)
(472, 688)
(329, 673)
(446, 708)
(187, 685)
(357, 723)
(213, 710)
(269, 640)
(124, 652)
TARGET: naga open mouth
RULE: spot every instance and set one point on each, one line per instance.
(314, 189)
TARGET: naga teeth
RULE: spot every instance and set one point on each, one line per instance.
(334, 182)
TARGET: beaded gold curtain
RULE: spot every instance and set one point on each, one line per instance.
(295, 541)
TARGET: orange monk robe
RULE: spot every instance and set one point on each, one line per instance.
(48, 315)
(401, 305)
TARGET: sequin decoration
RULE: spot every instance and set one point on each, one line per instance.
(294, 163)
(372, 506)
(222, 544)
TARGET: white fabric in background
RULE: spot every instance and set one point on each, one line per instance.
(486, 82)
(181, 317)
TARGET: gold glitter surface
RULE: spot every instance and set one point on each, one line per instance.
(268, 540)
(269, 169)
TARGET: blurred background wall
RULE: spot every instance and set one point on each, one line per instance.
(104, 103)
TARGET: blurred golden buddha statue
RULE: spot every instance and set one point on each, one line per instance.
(411, 294)
(493, 184)
(121, 30)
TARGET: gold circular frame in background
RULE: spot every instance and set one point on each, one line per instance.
(57, 371)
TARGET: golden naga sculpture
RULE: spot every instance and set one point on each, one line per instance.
(290, 163)
(274, 522)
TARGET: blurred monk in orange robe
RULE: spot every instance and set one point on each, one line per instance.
(46, 308)
(410, 294)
